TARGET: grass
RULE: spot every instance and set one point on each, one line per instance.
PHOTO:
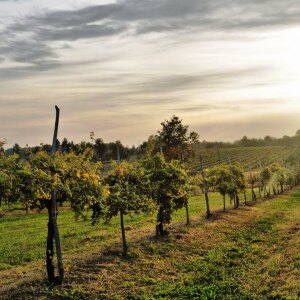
(250, 253)
(19, 232)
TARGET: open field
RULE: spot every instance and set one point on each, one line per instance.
(249, 253)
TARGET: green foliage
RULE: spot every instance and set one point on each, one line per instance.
(128, 190)
(194, 181)
(31, 181)
(2, 143)
(227, 179)
(279, 175)
(8, 179)
(83, 183)
(168, 187)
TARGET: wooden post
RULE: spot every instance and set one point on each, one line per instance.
(53, 231)
(222, 179)
(219, 155)
(262, 184)
(251, 183)
(186, 204)
(229, 159)
(124, 253)
(124, 243)
(208, 212)
(259, 187)
(245, 190)
(252, 186)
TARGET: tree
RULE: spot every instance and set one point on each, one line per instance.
(68, 177)
(278, 178)
(227, 179)
(194, 183)
(265, 178)
(168, 188)
(66, 146)
(8, 180)
(176, 140)
(2, 143)
(100, 149)
(237, 182)
(17, 149)
(219, 178)
(84, 189)
(128, 194)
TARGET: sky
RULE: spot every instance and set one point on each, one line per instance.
(228, 68)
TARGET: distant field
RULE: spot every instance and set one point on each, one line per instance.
(247, 156)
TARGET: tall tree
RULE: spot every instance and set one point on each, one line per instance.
(176, 139)
(219, 178)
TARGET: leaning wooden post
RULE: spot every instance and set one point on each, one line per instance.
(208, 213)
(53, 231)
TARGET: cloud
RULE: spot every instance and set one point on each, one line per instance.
(25, 71)
(28, 39)
(209, 80)
(165, 15)
(26, 51)
(80, 32)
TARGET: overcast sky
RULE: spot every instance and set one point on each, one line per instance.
(227, 67)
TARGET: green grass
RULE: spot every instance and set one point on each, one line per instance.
(19, 232)
(244, 266)
(220, 272)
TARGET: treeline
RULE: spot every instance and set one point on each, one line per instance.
(108, 151)
(257, 142)
(174, 140)
(102, 151)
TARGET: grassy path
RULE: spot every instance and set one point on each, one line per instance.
(250, 253)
